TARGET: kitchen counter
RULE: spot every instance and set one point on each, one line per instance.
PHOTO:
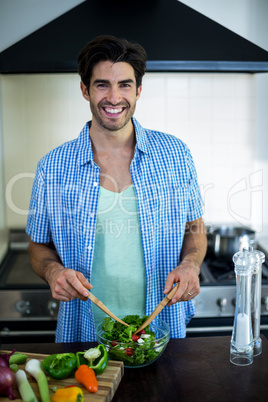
(191, 369)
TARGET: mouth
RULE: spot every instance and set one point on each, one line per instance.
(113, 111)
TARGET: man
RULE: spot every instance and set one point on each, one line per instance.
(118, 208)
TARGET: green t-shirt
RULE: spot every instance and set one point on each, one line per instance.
(118, 273)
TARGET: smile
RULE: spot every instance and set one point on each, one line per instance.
(113, 110)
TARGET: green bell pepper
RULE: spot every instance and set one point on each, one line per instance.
(60, 365)
(95, 358)
(18, 358)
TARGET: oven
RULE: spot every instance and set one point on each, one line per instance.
(28, 312)
(215, 304)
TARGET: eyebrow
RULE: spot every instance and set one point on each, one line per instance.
(127, 81)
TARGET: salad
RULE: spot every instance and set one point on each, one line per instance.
(134, 349)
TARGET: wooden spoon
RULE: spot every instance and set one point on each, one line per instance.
(104, 308)
(159, 307)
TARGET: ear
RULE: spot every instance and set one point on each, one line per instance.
(139, 92)
(84, 91)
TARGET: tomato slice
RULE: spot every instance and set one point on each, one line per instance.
(142, 332)
(129, 351)
(135, 337)
(114, 343)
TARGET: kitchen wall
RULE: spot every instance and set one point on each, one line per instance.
(2, 198)
(213, 113)
(222, 117)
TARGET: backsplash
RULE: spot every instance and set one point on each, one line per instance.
(213, 113)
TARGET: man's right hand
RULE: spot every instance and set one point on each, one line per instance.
(67, 284)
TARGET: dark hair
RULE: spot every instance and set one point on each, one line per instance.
(107, 47)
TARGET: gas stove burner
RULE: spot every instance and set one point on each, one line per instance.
(221, 270)
(220, 265)
(230, 275)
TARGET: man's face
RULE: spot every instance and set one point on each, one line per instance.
(112, 94)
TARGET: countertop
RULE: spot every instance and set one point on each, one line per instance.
(190, 369)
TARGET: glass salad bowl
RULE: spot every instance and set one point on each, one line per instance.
(138, 350)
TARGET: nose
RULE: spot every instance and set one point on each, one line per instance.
(114, 95)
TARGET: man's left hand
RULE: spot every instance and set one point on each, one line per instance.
(187, 273)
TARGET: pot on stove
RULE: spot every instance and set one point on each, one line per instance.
(225, 241)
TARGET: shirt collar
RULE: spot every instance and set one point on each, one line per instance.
(84, 146)
(141, 136)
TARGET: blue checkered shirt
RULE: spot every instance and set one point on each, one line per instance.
(63, 210)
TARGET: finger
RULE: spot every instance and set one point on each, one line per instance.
(169, 284)
(84, 281)
(60, 294)
(69, 294)
(180, 294)
(191, 294)
(75, 283)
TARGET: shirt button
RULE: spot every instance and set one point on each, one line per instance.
(95, 183)
(89, 248)
(92, 215)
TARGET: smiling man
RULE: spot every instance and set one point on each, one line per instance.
(112, 96)
(119, 208)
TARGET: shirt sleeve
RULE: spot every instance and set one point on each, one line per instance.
(196, 204)
(38, 226)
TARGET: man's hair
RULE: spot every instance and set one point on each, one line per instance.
(110, 48)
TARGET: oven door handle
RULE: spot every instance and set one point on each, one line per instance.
(263, 327)
(5, 332)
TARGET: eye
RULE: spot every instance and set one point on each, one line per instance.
(125, 85)
(102, 85)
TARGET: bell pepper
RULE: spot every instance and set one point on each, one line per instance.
(95, 358)
(86, 376)
(70, 394)
(60, 365)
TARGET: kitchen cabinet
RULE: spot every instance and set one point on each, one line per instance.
(192, 370)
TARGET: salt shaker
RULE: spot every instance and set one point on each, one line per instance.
(241, 350)
(256, 301)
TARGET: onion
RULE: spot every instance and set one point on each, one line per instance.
(3, 362)
(7, 380)
(4, 359)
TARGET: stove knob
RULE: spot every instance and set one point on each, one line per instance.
(22, 306)
(5, 331)
(222, 303)
(264, 301)
(52, 308)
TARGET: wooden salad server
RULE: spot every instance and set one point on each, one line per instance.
(159, 307)
(104, 308)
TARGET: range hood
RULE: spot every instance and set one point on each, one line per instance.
(176, 38)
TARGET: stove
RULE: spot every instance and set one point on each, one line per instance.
(215, 304)
(28, 312)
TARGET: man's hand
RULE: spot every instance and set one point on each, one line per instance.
(187, 272)
(67, 284)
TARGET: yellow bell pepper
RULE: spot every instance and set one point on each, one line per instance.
(68, 394)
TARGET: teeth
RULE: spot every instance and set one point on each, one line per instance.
(114, 111)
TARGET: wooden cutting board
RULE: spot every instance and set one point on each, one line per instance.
(108, 381)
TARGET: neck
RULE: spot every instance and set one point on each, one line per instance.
(106, 140)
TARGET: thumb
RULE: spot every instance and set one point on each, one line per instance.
(84, 281)
(168, 285)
